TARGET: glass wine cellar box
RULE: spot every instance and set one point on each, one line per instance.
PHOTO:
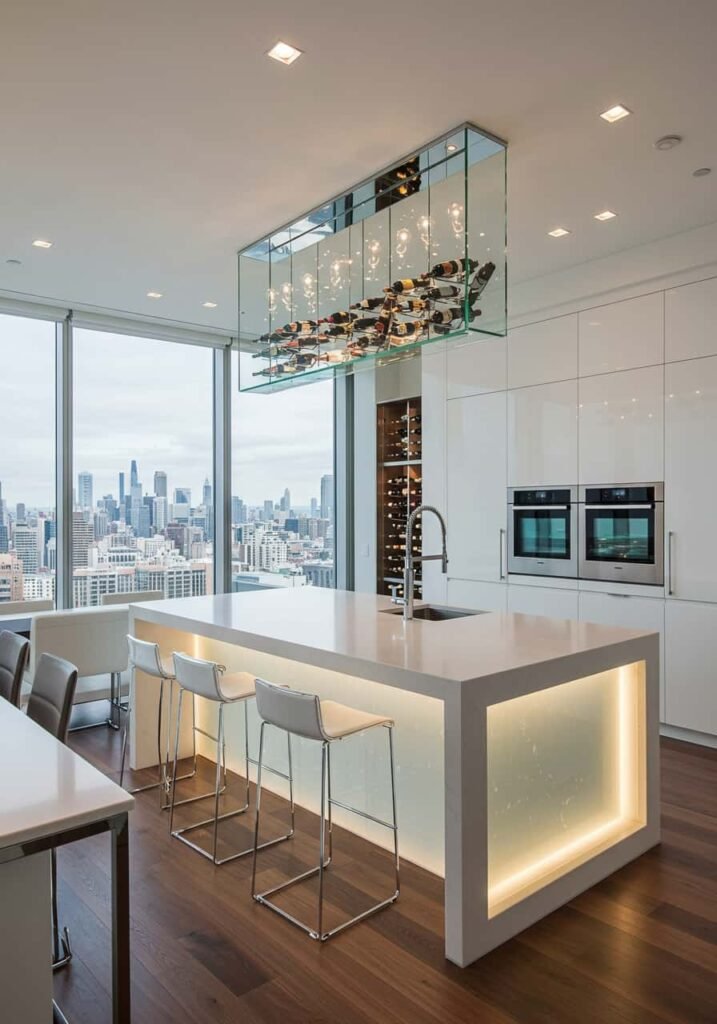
(414, 255)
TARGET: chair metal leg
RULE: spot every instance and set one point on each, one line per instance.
(181, 834)
(326, 803)
(61, 948)
(193, 772)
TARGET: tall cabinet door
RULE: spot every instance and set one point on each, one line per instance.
(476, 486)
(690, 479)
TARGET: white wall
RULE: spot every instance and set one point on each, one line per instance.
(608, 375)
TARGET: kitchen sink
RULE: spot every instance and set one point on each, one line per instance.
(433, 612)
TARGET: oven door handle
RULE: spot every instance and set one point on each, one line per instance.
(615, 508)
(541, 508)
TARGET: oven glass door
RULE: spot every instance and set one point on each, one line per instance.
(541, 533)
(620, 535)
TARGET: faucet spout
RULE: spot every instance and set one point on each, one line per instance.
(408, 570)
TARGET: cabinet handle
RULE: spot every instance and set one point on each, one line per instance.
(501, 535)
(670, 588)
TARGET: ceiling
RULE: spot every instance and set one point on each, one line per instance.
(151, 139)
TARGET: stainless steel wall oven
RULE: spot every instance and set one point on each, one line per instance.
(622, 533)
(542, 531)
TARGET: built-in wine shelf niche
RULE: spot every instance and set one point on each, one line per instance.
(398, 480)
(413, 255)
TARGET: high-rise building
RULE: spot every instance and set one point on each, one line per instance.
(238, 511)
(25, 543)
(121, 488)
(160, 484)
(11, 588)
(269, 511)
(314, 507)
(285, 501)
(4, 539)
(207, 493)
(159, 512)
(133, 474)
(20, 512)
(182, 495)
(82, 538)
(84, 489)
(327, 496)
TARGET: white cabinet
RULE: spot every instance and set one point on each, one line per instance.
(642, 613)
(691, 632)
(433, 424)
(484, 597)
(622, 335)
(475, 368)
(542, 435)
(543, 352)
(691, 321)
(476, 486)
(690, 478)
(620, 419)
(556, 604)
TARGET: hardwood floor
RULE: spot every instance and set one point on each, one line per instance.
(640, 948)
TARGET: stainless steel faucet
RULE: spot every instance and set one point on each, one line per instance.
(408, 571)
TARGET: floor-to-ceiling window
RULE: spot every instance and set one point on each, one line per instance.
(27, 459)
(143, 512)
(282, 506)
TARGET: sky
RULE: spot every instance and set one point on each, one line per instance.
(151, 401)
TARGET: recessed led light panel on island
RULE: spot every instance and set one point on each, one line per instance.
(605, 215)
(558, 232)
(154, 295)
(391, 264)
(41, 243)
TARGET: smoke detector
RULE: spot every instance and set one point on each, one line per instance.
(668, 142)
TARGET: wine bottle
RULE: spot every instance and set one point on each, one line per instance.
(368, 303)
(442, 291)
(299, 327)
(408, 330)
(451, 313)
(407, 284)
(342, 317)
(413, 305)
(451, 267)
(479, 282)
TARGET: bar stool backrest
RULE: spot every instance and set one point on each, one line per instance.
(53, 690)
(292, 710)
(198, 676)
(14, 652)
(145, 656)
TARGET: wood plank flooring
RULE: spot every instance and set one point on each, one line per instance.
(640, 948)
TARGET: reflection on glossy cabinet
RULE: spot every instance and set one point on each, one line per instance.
(476, 486)
(690, 319)
(484, 597)
(617, 609)
(621, 335)
(690, 478)
(543, 352)
(542, 435)
(475, 368)
(556, 604)
(691, 632)
(620, 419)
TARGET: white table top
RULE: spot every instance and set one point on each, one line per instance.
(46, 788)
(348, 632)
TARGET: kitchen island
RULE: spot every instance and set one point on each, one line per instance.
(526, 747)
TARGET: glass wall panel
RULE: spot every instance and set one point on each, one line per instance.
(27, 460)
(282, 486)
(143, 516)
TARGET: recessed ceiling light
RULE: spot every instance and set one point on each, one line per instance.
(558, 232)
(668, 142)
(451, 147)
(615, 113)
(154, 295)
(284, 53)
(40, 243)
(701, 172)
(209, 305)
(605, 215)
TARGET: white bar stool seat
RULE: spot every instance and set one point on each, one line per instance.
(211, 681)
(325, 721)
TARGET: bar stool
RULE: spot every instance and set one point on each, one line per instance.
(209, 680)
(303, 714)
(147, 658)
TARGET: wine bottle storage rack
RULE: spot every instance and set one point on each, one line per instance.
(410, 256)
(399, 488)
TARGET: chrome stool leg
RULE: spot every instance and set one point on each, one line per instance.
(181, 833)
(327, 801)
(193, 772)
(61, 948)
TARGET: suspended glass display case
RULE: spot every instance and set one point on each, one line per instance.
(413, 255)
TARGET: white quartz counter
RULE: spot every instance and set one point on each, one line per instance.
(351, 633)
(46, 788)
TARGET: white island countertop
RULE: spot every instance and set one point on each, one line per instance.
(351, 633)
